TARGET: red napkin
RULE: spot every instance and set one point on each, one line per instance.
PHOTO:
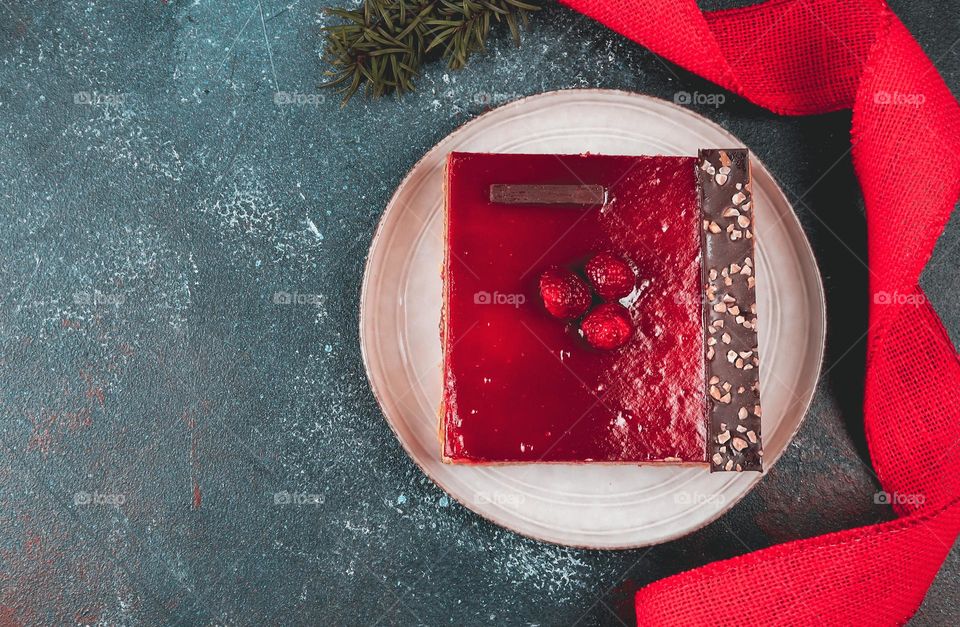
(814, 56)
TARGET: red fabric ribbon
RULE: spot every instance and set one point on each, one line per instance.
(798, 57)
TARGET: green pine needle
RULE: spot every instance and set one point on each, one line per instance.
(381, 45)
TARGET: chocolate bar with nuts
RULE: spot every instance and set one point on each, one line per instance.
(730, 311)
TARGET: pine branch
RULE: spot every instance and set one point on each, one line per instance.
(380, 46)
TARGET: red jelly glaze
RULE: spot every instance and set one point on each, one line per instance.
(522, 386)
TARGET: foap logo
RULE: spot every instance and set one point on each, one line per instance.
(509, 499)
(284, 297)
(296, 498)
(896, 298)
(283, 98)
(896, 498)
(885, 98)
(96, 297)
(697, 98)
(95, 98)
(488, 99)
(96, 498)
(687, 298)
(698, 498)
(482, 98)
(498, 298)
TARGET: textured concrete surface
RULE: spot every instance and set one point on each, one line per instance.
(157, 395)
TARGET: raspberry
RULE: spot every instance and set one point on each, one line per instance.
(608, 326)
(565, 295)
(611, 276)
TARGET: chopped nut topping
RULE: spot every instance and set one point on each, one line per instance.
(730, 447)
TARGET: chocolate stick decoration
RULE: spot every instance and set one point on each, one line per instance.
(548, 194)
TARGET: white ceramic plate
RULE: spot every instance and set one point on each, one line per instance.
(594, 506)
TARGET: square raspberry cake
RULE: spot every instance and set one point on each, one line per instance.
(600, 309)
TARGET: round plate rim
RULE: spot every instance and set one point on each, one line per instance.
(490, 516)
